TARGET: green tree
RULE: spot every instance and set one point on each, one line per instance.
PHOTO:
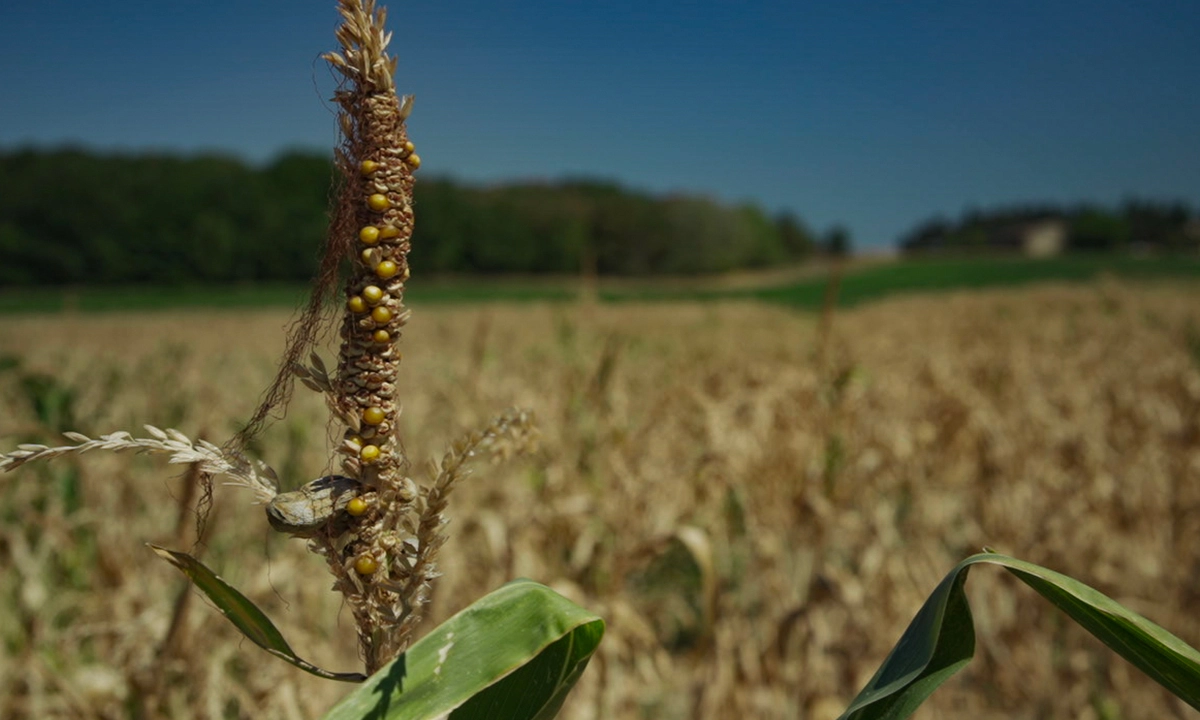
(837, 242)
(1092, 228)
(796, 239)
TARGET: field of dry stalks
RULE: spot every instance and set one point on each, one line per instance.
(756, 502)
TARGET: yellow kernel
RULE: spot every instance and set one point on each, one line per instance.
(369, 235)
(386, 269)
(357, 304)
(373, 416)
(357, 506)
(355, 440)
(408, 146)
(372, 295)
(369, 453)
(378, 202)
(405, 274)
(365, 565)
(389, 231)
(366, 255)
(381, 336)
(414, 160)
(368, 166)
(381, 314)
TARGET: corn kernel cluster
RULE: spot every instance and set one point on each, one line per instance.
(373, 558)
(374, 306)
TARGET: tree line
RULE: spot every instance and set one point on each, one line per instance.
(79, 217)
(1146, 225)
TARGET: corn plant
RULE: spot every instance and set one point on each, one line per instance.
(515, 652)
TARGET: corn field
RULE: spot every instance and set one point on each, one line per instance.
(757, 501)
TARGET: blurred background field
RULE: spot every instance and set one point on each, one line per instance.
(811, 300)
(757, 499)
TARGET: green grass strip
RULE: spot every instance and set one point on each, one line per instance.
(858, 285)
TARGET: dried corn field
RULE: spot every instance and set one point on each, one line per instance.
(756, 503)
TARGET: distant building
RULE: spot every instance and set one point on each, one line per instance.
(1037, 238)
(1044, 238)
(1047, 231)
(1040, 238)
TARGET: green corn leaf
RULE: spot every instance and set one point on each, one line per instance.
(513, 654)
(941, 640)
(1170, 661)
(244, 614)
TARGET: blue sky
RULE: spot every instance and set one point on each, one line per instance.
(872, 114)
